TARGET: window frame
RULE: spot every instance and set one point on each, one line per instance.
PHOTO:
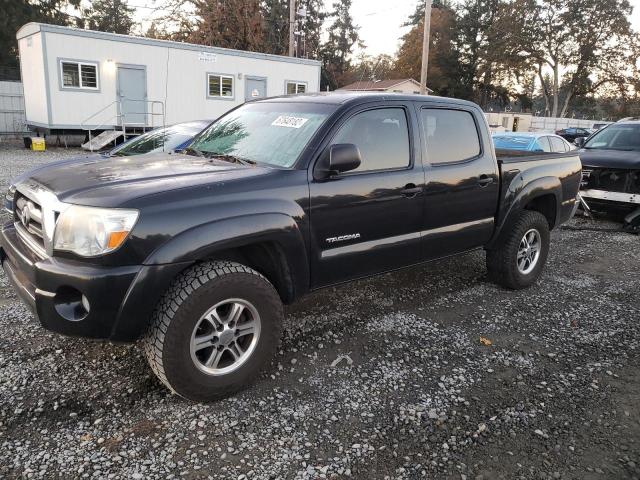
(297, 83)
(208, 75)
(79, 64)
(458, 108)
(343, 121)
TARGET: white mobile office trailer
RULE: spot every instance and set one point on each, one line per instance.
(76, 80)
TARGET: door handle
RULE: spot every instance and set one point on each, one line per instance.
(485, 180)
(410, 190)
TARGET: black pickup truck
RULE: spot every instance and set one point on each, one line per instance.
(195, 253)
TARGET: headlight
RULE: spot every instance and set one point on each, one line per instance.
(90, 231)
(8, 198)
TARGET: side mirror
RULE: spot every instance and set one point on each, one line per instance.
(579, 142)
(340, 158)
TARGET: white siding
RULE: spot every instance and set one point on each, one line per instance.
(183, 87)
(405, 87)
(33, 78)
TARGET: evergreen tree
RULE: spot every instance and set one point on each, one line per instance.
(15, 13)
(276, 26)
(113, 16)
(336, 52)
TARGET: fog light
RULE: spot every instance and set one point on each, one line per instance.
(71, 304)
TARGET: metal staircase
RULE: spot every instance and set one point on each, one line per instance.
(116, 126)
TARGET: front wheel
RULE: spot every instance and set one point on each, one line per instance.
(517, 260)
(214, 330)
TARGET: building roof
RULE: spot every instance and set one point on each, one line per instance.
(33, 27)
(379, 85)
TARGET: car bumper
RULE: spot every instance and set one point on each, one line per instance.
(73, 298)
(620, 197)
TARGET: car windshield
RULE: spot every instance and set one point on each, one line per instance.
(511, 142)
(159, 140)
(269, 133)
(616, 137)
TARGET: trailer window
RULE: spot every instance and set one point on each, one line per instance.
(296, 87)
(79, 75)
(220, 85)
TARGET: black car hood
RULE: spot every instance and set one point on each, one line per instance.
(116, 180)
(610, 158)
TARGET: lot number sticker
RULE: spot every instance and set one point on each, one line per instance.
(290, 122)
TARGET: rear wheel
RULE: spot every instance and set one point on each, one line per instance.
(214, 330)
(518, 258)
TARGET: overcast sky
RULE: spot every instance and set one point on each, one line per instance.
(379, 20)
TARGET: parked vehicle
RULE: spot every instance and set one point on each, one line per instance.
(197, 252)
(531, 142)
(166, 139)
(611, 171)
(570, 134)
(599, 125)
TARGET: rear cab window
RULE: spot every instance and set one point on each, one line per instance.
(451, 135)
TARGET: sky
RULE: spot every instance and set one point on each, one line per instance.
(379, 20)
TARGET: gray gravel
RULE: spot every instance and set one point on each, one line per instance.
(382, 378)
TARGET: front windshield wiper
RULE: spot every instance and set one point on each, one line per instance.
(229, 158)
(193, 151)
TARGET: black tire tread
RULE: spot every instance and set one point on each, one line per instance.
(181, 289)
(500, 262)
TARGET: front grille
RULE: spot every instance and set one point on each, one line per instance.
(28, 216)
(611, 180)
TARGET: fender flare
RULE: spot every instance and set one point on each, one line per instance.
(205, 240)
(520, 193)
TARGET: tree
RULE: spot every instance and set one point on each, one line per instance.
(443, 69)
(276, 26)
(15, 13)
(584, 44)
(368, 68)
(313, 27)
(336, 52)
(113, 16)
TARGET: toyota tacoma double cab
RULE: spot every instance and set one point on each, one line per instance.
(195, 253)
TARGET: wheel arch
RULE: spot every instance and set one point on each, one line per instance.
(542, 195)
(271, 244)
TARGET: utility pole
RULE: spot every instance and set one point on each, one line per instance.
(292, 21)
(425, 47)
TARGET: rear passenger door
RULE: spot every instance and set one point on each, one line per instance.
(368, 220)
(461, 180)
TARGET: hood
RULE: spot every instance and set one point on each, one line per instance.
(114, 181)
(610, 159)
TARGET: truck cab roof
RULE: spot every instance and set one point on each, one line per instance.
(356, 98)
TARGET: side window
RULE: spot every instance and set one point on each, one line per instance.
(296, 87)
(545, 146)
(381, 135)
(451, 135)
(557, 145)
(81, 75)
(219, 85)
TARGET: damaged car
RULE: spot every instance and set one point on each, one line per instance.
(611, 172)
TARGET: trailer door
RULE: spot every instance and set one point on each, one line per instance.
(132, 94)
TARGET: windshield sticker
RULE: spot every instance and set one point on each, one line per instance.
(290, 122)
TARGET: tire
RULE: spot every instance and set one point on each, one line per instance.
(198, 302)
(503, 262)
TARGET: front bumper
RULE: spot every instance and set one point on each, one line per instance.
(48, 286)
(619, 197)
(120, 299)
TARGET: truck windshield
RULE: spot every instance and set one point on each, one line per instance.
(616, 137)
(267, 133)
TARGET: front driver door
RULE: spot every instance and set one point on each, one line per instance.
(368, 220)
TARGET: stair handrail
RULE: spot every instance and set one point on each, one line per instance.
(121, 117)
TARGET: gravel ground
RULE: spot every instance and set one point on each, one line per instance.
(382, 378)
